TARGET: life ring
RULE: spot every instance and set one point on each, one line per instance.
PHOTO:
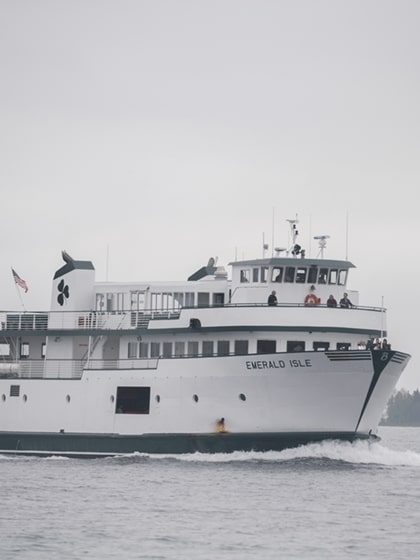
(311, 299)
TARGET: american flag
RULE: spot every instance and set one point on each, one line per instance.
(19, 281)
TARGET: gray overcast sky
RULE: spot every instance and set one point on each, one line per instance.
(165, 132)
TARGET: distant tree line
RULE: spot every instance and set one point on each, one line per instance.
(403, 409)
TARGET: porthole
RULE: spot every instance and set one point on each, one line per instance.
(25, 398)
(3, 397)
(195, 398)
(112, 398)
(157, 398)
(68, 398)
(242, 397)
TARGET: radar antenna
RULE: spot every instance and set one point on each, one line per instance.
(322, 242)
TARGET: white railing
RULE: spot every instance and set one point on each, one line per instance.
(68, 369)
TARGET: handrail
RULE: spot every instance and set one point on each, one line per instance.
(88, 320)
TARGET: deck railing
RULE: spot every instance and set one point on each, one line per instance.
(69, 369)
(118, 320)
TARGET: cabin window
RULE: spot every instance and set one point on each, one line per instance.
(266, 346)
(133, 400)
(342, 277)
(343, 345)
(223, 347)
(264, 274)
(218, 299)
(277, 274)
(43, 349)
(132, 350)
(167, 349)
(312, 275)
(241, 347)
(24, 350)
(100, 302)
(295, 346)
(179, 348)
(333, 276)
(255, 274)
(244, 276)
(321, 346)
(208, 347)
(323, 275)
(203, 299)
(189, 299)
(289, 274)
(301, 275)
(193, 348)
(155, 349)
(144, 350)
(5, 350)
(178, 299)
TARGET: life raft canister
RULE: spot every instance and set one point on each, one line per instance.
(311, 299)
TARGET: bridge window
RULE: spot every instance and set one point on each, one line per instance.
(133, 400)
(312, 275)
(277, 274)
(244, 276)
(323, 275)
(300, 275)
(342, 277)
(290, 274)
(343, 345)
(333, 276)
(255, 274)
(264, 274)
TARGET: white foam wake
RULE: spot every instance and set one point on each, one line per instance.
(359, 452)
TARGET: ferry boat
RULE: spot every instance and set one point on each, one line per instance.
(201, 365)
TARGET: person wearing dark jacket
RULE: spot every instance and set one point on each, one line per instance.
(331, 301)
(272, 299)
(345, 302)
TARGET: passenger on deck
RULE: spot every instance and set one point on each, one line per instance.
(331, 301)
(272, 299)
(345, 302)
(385, 345)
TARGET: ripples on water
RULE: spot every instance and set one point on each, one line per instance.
(328, 500)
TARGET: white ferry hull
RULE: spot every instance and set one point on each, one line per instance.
(269, 402)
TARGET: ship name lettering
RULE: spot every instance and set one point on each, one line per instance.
(300, 363)
(264, 364)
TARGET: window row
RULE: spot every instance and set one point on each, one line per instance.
(5, 350)
(221, 348)
(295, 274)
